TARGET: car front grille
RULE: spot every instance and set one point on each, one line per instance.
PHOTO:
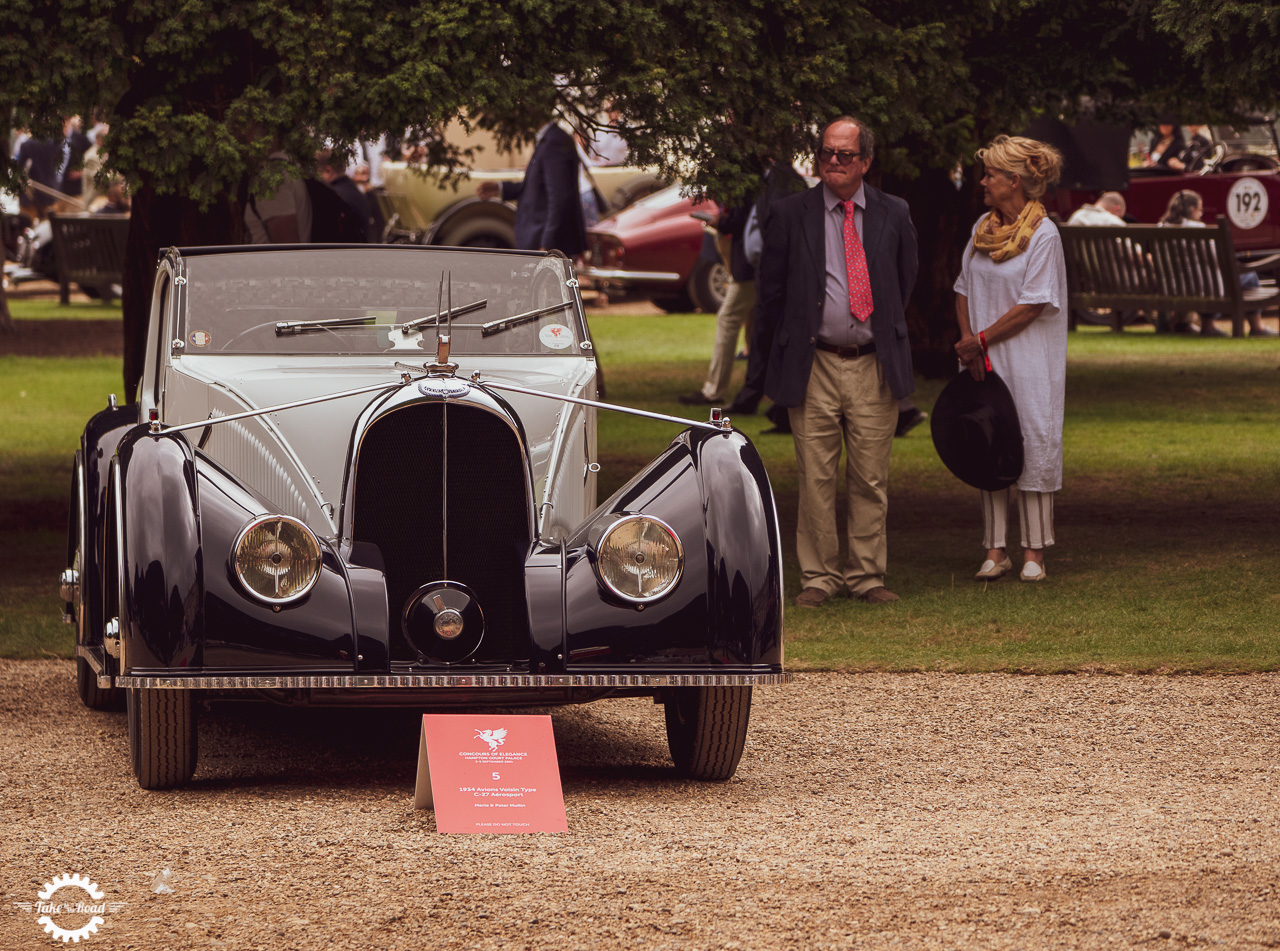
(399, 505)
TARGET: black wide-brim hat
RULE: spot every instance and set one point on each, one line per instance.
(976, 432)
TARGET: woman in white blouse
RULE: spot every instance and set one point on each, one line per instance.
(1011, 305)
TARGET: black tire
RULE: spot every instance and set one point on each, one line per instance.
(93, 696)
(479, 233)
(707, 729)
(707, 285)
(162, 737)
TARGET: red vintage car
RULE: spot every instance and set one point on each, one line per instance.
(653, 247)
(1240, 181)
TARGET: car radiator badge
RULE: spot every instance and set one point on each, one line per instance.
(444, 388)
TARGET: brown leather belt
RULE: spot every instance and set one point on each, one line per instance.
(847, 353)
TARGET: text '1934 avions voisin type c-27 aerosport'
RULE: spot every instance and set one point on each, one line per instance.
(367, 475)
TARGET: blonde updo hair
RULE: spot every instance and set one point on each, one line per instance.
(1037, 163)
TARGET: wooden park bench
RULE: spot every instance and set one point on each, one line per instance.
(90, 252)
(1146, 267)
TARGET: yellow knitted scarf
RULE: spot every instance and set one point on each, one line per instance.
(1002, 243)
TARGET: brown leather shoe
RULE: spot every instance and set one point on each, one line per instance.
(878, 595)
(811, 598)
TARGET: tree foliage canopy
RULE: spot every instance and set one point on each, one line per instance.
(199, 92)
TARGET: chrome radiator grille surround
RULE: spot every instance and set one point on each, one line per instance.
(426, 466)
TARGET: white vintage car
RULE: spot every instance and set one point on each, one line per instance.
(367, 474)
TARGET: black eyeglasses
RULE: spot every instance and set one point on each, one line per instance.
(843, 156)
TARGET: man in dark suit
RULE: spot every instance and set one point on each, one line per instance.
(548, 204)
(837, 270)
(334, 174)
(43, 160)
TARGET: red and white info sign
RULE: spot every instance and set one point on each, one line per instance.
(490, 773)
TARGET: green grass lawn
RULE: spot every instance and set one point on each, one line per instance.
(52, 310)
(1165, 560)
(1166, 556)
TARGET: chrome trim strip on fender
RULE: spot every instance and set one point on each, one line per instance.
(345, 681)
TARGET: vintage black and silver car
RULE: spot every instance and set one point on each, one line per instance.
(368, 475)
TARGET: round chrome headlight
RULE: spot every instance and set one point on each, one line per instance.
(639, 558)
(277, 559)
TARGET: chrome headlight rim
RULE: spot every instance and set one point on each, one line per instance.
(613, 527)
(301, 592)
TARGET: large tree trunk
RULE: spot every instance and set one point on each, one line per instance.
(158, 222)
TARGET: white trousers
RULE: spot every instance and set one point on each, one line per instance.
(1035, 513)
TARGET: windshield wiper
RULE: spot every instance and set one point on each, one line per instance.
(306, 326)
(302, 326)
(506, 323)
(435, 318)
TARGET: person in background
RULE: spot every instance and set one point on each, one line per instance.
(735, 310)
(284, 217)
(1166, 145)
(1186, 210)
(55, 163)
(837, 268)
(74, 145)
(1197, 150)
(909, 417)
(606, 146)
(780, 181)
(1109, 209)
(548, 205)
(1011, 306)
(333, 173)
(118, 201)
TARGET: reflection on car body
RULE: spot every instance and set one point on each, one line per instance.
(340, 486)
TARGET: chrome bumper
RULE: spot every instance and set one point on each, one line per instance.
(619, 274)
(473, 681)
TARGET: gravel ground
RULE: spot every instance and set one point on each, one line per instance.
(870, 811)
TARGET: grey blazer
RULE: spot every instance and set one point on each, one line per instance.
(791, 286)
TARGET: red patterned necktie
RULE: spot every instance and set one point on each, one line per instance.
(855, 262)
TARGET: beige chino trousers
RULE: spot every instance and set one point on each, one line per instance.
(846, 402)
(734, 313)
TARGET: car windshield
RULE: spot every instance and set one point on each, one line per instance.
(1256, 138)
(381, 299)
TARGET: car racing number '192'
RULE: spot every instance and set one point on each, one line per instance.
(1247, 203)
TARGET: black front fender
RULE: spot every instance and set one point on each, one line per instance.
(161, 562)
(726, 610)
